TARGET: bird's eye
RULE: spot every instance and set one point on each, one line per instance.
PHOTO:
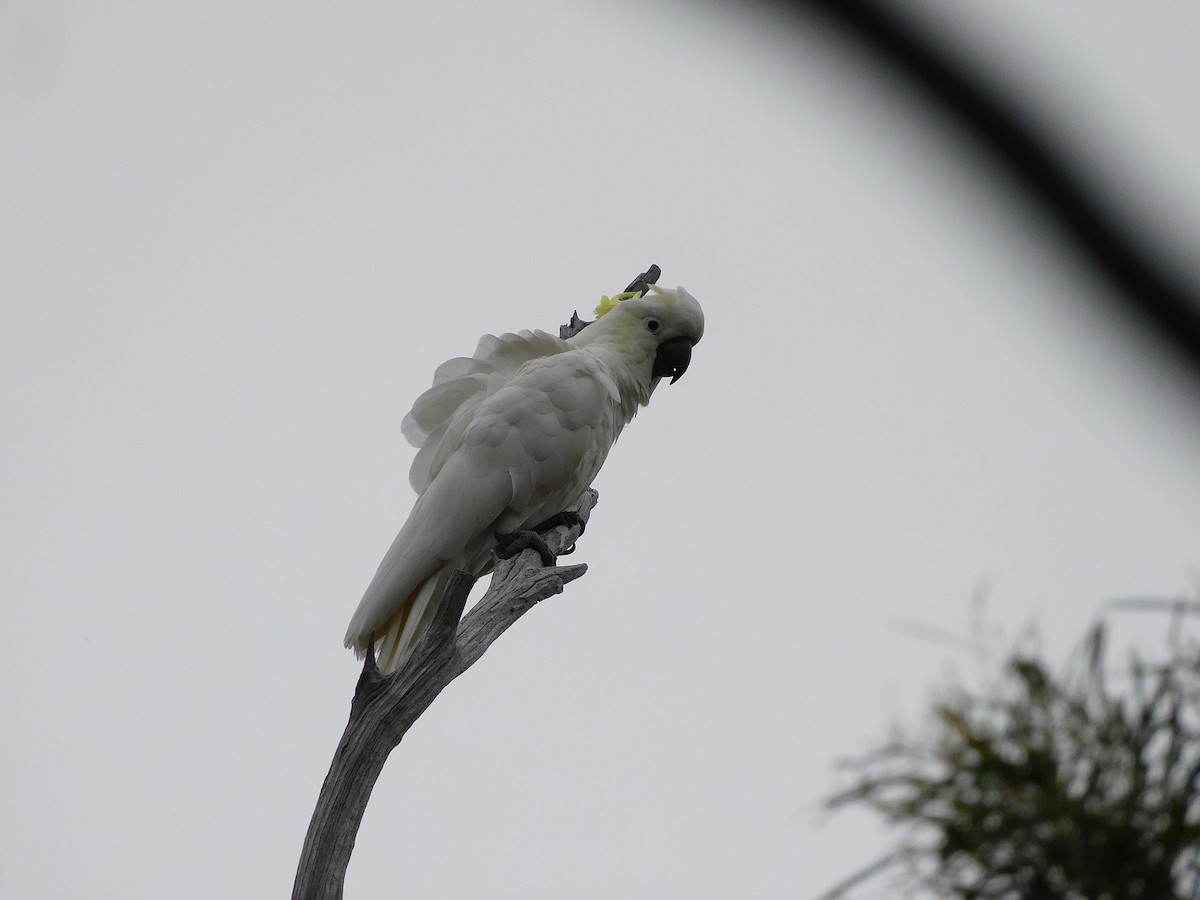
(652, 324)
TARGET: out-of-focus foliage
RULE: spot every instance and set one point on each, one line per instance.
(1068, 785)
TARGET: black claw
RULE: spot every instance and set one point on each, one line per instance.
(567, 517)
(509, 545)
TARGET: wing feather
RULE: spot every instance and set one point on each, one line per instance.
(439, 416)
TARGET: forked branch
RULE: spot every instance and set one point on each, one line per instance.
(385, 706)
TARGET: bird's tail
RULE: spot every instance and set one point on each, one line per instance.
(398, 636)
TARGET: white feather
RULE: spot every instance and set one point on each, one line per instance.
(507, 438)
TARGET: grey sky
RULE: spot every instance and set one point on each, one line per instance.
(235, 241)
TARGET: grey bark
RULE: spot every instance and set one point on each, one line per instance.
(385, 706)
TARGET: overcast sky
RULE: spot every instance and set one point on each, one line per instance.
(237, 238)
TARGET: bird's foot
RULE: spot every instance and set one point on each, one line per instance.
(567, 517)
(570, 519)
(509, 545)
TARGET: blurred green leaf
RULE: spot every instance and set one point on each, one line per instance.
(1050, 785)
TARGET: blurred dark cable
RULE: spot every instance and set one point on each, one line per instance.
(1151, 291)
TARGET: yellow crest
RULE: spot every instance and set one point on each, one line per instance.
(607, 304)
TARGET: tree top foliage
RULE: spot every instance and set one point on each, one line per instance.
(1051, 785)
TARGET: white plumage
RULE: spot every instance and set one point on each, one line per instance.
(507, 439)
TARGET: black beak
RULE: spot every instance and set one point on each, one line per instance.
(672, 358)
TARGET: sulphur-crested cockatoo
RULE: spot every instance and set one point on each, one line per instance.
(508, 439)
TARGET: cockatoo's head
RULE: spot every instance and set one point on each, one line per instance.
(661, 326)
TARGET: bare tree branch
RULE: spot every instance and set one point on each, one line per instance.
(385, 707)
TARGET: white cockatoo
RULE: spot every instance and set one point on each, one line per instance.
(508, 439)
